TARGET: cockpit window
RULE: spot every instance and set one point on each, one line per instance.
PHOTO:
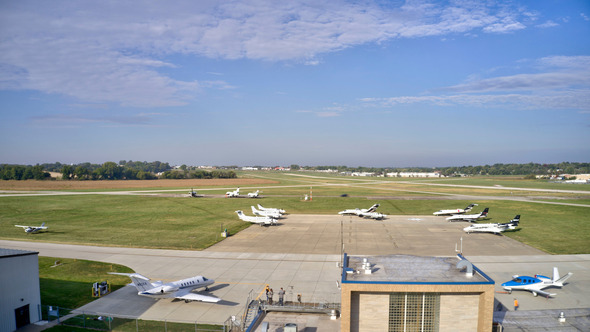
(517, 280)
(204, 279)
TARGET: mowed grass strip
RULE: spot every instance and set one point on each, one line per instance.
(132, 221)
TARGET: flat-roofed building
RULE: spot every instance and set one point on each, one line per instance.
(20, 296)
(413, 293)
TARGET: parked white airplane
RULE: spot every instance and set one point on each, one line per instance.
(254, 194)
(455, 211)
(493, 228)
(469, 217)
(256, 220)
(32, 229)
(234, 193)
(537, 283)
(281, 211)
(373, 215)
(270, 214)
(358, 211)
(181, 289)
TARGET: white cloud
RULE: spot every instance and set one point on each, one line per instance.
(563, 83)
(112, 51)
(548, 24)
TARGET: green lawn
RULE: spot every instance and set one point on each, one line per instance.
(69, 284)
(196, 223)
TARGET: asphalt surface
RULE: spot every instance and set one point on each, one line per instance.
(301, 255)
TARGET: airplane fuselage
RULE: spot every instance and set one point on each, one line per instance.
(170, 289)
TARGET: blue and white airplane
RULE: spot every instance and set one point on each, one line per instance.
(181, 289)
(537, 283)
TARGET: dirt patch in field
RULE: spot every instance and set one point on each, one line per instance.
(164, 183)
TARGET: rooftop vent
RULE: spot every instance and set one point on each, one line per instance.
(466, 264)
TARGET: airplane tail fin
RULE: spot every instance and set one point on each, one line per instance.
(560, 281)
(140, 282)
(485, 212)
(43, 224)
(469, 207)
(557, 280)
(254, 210)
(373, 208)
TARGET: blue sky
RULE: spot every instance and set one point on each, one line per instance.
(357, 83)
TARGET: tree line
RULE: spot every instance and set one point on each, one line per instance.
(124, 170)
(22, 172)
(495, 169)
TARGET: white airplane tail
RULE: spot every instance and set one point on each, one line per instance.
(557, 281)
(140, 282)
(240, 214)
(254, 210)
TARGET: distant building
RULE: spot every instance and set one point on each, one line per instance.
(20, 296)
(415, 175)
(362, 174)
(412, 293)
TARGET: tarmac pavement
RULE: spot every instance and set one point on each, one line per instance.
(301, 255)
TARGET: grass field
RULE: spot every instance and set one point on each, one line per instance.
(169, 220)
(69, 284)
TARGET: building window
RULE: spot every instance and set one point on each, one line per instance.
(409, 312)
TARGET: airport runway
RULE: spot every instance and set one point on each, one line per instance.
(301, 255)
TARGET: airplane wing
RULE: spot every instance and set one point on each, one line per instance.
(543, 293)
(22, 226)
(196, 297)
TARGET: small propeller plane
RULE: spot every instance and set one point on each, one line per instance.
(469, 217)
(193, 193)
(358, 212)
(537, 283)
(33, 229)
(261, 208)
(254, 194)
(493, 228)
(256, 220)
(455, 211)
(181, 289)
(271, 214)
(235, 193)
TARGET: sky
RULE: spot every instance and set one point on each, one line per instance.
(356, 83)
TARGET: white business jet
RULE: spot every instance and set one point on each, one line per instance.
(256, 220)
(358, 211)
(181, 289)
(455, 211)
(270, 214)
(373, 215)
(254, 194)
(235, 193)
(32, 229)
(537, 283)
(469, 217)
(261, 208)
(493, 228)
